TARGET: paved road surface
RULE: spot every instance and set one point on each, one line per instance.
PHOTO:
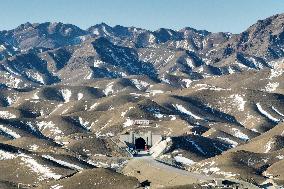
(161, 175)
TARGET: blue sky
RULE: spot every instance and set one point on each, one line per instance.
(213, 15)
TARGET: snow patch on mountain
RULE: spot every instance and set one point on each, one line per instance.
(152, 38)
(276, 71)
(80, 96)
(33, 147)
(181, 109)
(49, 126)
(109, 89)
(268, 146)
(256, 63)
(55, 109)
(233, 143)
(154, 92)
(11, 100)
(9, 132)
(183, 160)
(6, 155)
(7, 115)
(42, 171)
(93, 106)
(12, 81)
(209, 87)
(239, 134)
(277, 111)
(140, 84)
(88, 75)
(56, 186)
(187, 82)
(271, 86)
(66, 94)
(64, 163)
(155, 111)
(196, 146)
(124, 113)
(98, 63)
(266, 114)
(165, 79)
(35, 77)
(238, 101)
(173, 117)
(84, 124)
(35, 96)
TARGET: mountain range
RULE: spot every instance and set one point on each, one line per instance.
(66, 94)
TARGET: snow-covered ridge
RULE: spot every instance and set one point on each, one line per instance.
(266, 114)
(51, 128)
(9, 132)
(233, 143)
(43, 171)
(181, 109)
(33, 165)
(277, 111)
(240, 135)
(64, 163)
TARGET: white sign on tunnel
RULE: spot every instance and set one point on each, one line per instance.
(141, 122)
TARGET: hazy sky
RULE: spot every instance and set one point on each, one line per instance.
(212, 15)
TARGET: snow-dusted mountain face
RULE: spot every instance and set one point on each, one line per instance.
(66, 94)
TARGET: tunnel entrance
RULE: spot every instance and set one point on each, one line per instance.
(140, 143)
